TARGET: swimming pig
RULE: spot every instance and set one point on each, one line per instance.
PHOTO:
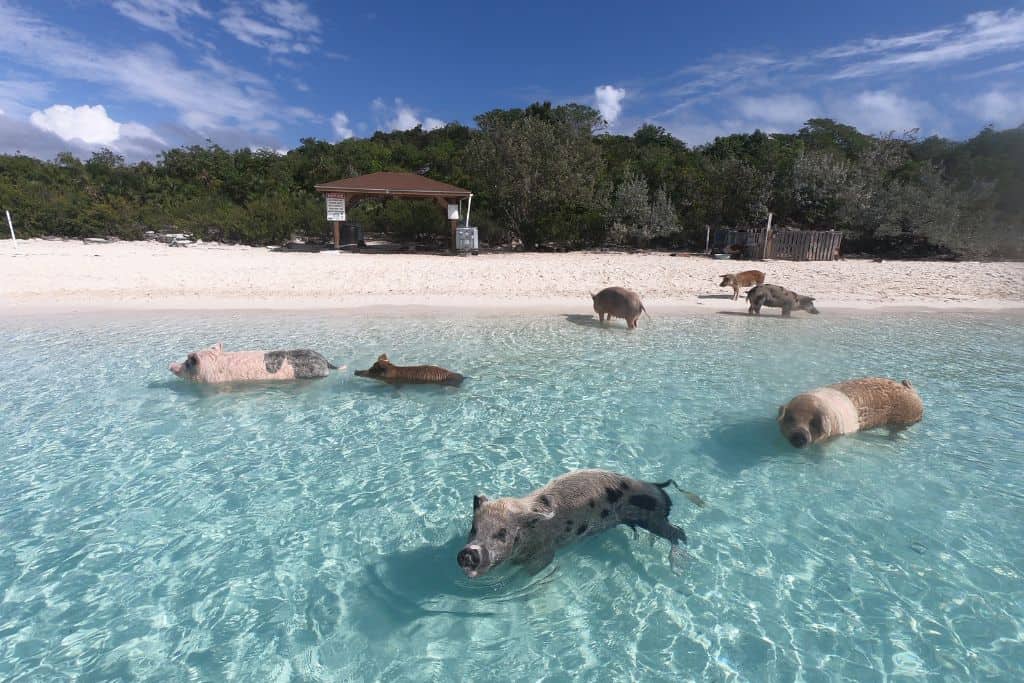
(745, 278)
(527, 531)
(214, 365)
(775, 296)
(849, 407)
(618, 302)
(386, 371)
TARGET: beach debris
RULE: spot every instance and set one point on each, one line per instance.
(528, 530)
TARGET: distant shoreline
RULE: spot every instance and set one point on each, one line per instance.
(51, 277)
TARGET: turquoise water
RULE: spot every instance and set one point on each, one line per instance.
(150, 530)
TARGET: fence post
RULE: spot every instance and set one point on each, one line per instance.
(11, 226)
(767, 234)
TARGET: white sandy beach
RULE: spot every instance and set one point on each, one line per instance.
(71, 276)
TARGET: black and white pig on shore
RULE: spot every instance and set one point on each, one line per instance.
(527, 531)
(775, 296)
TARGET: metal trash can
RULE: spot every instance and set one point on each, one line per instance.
(351, 234)
(467, 239)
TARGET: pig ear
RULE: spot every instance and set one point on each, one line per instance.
(383, 358)
(782, 411)
(531, 518)
(218, 347)
(478, 500)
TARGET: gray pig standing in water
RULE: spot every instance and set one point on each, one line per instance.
(618, 302)
(215, 365)
(775, 296)
(527, 531)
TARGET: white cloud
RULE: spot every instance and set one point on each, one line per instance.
(206, 99)
(609, 102)
(401, 116)
(284, 27)
(161, 15)
(883, 111)
(1000, 108)
(293, 15)
(340, 123)
(778, 112)
(981, 34)
(89, 124)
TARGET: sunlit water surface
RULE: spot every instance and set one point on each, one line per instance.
(153, 531)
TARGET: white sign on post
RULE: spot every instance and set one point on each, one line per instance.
(453, 212)
(335, 206)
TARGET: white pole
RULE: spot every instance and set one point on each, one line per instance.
(767, 232)
(11, 226)
(707, 240)
(469, 205)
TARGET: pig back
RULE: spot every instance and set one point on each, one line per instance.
(618, 301)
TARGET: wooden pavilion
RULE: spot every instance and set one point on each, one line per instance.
(342, 193)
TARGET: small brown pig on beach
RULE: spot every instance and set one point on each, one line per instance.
(215, 365)
(618, 302)
(849, 407)
(386, 371)
(527, 531)
(775, 296)
(747, 278)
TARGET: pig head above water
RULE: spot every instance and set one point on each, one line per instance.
(386, 371)
(215, 365)
(527, 531)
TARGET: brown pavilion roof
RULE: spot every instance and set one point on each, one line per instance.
(396, 184)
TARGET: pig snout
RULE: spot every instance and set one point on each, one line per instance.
(176, 368)
(800, 438)
(471, 559)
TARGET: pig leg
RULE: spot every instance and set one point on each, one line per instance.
(735, 292)
(787, 309)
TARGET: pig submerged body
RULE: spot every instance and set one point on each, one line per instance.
(386, 371)
(847, 407)
(214, 365)
(775, 296)
(618, 302)
(527, 531)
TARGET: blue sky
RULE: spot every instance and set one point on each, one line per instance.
(139, 76)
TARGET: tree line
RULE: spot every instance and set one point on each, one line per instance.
(552, 176)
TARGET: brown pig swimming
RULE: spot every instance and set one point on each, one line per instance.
(214, 365)
(618, 302)
(386, 371)
(775, 296)
(527, 531)
(849, 407)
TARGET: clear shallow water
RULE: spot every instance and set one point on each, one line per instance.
(153, 531)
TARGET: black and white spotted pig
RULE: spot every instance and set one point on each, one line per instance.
(527, 531)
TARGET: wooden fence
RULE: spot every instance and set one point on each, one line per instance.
(795, 245)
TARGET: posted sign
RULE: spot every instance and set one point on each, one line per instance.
(335, 206)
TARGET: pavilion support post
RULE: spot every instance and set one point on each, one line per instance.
(454, 224)
(337, 235)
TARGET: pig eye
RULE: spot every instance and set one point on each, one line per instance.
(502, 535)
(192, 360)
(816, 424)
(472, 530)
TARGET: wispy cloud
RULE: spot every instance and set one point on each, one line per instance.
(1003, 108)
(981, 34)
(162, 15)
(278, 26)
